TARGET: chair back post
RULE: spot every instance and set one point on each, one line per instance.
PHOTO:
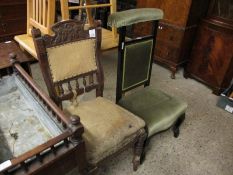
(155, 25)
(122, 34)
(44, 64)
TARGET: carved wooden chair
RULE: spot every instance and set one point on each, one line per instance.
(72, 56)
(159, 110)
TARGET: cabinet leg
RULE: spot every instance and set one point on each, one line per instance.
(173, 74)
(185, 74)
(217, 91)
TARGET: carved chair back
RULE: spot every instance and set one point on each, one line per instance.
(41, 15)
(70, 59)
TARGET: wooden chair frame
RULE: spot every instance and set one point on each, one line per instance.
(56, 90)
(109, 39)
(65, 9)
(40, 15)
(71, 148)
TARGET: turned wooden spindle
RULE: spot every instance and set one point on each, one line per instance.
(61, 90)
(91, 79)
(69, 86)
(75, 123)
(84, 81)
(75, 120)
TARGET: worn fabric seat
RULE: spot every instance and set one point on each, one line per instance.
(107, 127)
(158, 109)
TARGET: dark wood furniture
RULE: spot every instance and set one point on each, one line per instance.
(61, 153)
(5, 66)
(99, 115)
(212, 55)
(13, 17)
(176, 31)
(126, 5)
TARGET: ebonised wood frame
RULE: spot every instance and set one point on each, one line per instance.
(121, 50)
(58, 159)
(74, 33)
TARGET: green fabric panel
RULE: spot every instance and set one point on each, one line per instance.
(137, 58)
(133, 16)
(157, 109)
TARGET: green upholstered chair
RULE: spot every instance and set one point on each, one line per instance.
(159, 110)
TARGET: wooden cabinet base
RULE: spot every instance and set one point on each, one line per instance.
(215, 90)
(212, 55)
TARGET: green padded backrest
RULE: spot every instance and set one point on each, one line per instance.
(136, 63)
(133, 16)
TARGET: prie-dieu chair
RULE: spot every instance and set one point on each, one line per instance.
(159, 110)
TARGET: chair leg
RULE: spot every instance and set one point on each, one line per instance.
(139, 150)
(176, 127)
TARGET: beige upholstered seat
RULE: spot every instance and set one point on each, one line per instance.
(107, 127)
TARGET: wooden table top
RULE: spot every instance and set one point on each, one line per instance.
(8, 47)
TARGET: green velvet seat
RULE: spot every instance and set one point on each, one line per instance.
(158, 109)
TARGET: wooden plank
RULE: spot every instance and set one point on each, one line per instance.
(34, 8)
(50, 15)
(30, 14)
(64, 9)
(89, 14)
(108, 42)
(42, 28)
(37, 10)
(40, 11)
(113, 9)
(26, 43)
(89, 6)
(44, 12)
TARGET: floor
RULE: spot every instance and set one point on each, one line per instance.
(205, 145)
